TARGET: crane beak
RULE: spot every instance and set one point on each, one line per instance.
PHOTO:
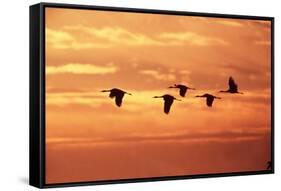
(156, 97)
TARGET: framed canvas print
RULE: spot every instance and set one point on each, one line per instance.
(125, 95)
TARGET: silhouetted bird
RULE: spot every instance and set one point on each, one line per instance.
(117, 94)
(168, 101)
(269, 165)
(210, 99)
(233, 88)
(183, 89)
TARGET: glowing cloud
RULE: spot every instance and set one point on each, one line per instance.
(191, 38)
(267, 43)
(56, 36)
(155, 74)
(63, 40)
(110, 36)
(116, 35)
(230, 23)
(76, 68)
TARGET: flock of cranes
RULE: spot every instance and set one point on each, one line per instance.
(118, 94)
(169, 99)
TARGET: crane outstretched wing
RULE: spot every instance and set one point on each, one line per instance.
(167, 105)
(232, 84)
(118, 100)
(183, 91)
(210, 101)
(112, 94)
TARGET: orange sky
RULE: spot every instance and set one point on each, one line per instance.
(88, 138)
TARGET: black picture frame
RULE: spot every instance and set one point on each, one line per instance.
(37, 93)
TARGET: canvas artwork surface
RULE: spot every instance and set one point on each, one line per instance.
(140, 95)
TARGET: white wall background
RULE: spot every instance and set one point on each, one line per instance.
(14, 74)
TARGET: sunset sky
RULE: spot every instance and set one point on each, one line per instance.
(88, 138)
